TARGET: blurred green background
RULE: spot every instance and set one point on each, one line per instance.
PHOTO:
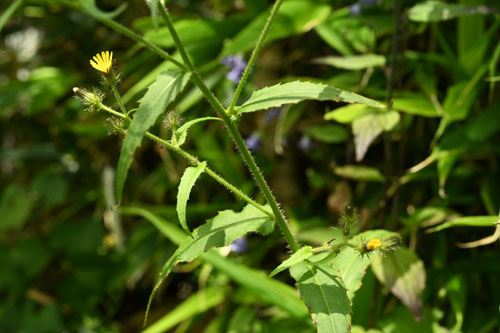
(69, 264)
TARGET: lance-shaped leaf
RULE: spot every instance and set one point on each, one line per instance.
(187, 182)
(325, 296)
(159, 95)
(222, 230)
(298, 257)
(435, 11)
(295, 92)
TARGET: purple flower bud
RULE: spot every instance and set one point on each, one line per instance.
(239, 246)
(305, 144)
(272, 114)
(253, 141)
(355, 9)
(236, 65)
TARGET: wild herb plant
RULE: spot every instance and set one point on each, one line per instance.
(325, 282)
(413, 68)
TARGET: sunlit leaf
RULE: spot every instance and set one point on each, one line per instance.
(295, 92)
(159, 95)
(435, 11)
(298, 257)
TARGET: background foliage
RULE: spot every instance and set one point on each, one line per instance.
(427, 169)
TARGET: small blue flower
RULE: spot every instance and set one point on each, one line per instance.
(253, 141)
(272, 114)
(239, 246)
(236, 65)
(355, 9)
(305, 144)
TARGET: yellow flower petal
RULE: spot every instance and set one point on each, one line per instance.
(103, 61)
(373, 244)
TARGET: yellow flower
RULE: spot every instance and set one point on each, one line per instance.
(373, 244)
(103, 62)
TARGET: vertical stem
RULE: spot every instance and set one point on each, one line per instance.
(256, 50)
(235, 134)
(117, 96)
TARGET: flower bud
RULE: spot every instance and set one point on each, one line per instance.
(115, 125)
(172, 121)
(92, 100)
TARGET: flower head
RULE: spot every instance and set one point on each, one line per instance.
(373, 244)
(103, 62)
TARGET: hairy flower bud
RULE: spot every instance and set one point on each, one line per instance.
(349, 218)
(115, 125)
(92, 100)
(172, 120)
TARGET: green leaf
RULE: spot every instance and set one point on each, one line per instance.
(159, 95)
(485, 125)
(457, 293)
(187, 182)
(298, 257)
(459, 100)
(295, 92)
(347, 114)
(181, 132)
(418, 105)
(294, 17)
(327, 133)
(403, 273)
(359, 172)
(435, 11)
(198, 31)
(467, 221)
(90, 7)
(222, 230)
(367, 127)
(153, 6)
(197, 303)
(325, 295)
(354, 62)
(272, 291)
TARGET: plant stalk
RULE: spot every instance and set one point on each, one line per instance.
(255, 53)
(233, 131)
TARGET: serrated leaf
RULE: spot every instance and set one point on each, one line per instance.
(90, 8)
(187, 182)
(159, 95)
(467, 221)
(181, 132)
(325, 295)
(435, 11)
(354, 62)
(298, 257)
(403, 273)
(220, 231)
(257, 282)
(297, 91)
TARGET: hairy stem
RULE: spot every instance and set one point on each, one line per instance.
(194, 161)
(233, 131)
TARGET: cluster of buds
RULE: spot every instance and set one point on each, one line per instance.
(172, 121)
(115, 125)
